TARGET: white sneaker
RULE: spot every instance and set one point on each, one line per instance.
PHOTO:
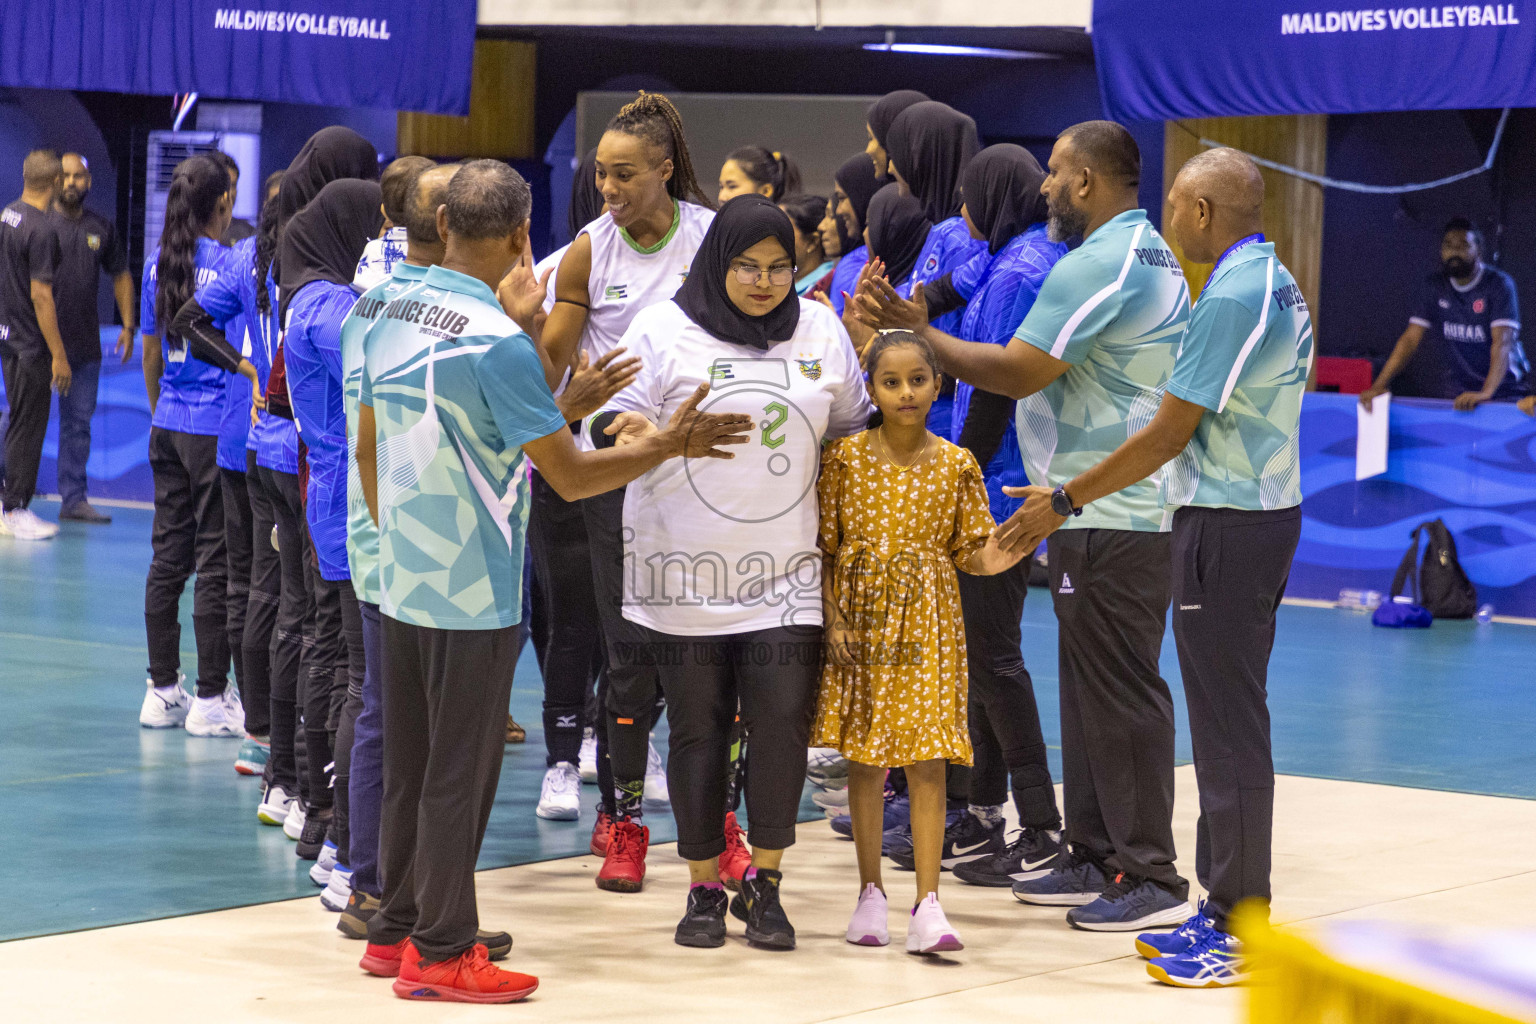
(588, 758)
(337, 891)
(24, 524)
(320, 871)
(929, 931)
(833, 801)
(826, 768)
(293, 823)
(167, 708)
(867, 926)
(560, 798)
(210, 716)
(234, 708)
(656, 792)
(275, 804)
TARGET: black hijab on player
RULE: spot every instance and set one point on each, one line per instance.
(858, 181)
(930, 144)
(1002, 193)
(324, 240)
(740, 224)
(586, 201)
(898, 228)
(328, 155)
(883, 112)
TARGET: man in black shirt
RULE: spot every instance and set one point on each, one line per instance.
(31, 350)
(88, 245)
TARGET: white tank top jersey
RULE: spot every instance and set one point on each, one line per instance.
(625, 279)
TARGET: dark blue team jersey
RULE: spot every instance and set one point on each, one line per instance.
(1001, 301)
(192, 392)
(1463, 320)
(950, 248)
(312, 352)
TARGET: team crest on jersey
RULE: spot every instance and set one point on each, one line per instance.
(615, 292)
(1478, 305)
(1445, 303)
(810, 369)
(931, 264)
(721, 371)
(93, 241)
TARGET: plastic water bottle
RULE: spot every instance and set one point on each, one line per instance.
(1358, 600)
(1484, 613)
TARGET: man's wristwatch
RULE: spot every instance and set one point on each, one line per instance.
(1061, 503)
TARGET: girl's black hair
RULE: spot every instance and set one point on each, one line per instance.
(652, 117)
(768, 167)
(266, 241)
(196, 189)
(887, 340)
(805, 211)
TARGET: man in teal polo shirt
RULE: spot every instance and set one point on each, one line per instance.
(1228, 424)
(1090, 362)
(452, 398)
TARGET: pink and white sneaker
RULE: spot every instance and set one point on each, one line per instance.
(929, 931)
(867, 928)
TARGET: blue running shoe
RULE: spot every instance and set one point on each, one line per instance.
(252, 759)
(1154, 945)
(1213, 962)
(1128, 905)
(896, 840)
(897, 813)
(966, 839)
(1073, 883)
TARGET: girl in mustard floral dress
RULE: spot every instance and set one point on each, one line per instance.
(901, 510)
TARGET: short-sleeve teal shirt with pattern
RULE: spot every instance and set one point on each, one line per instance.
(456, 390)
(1115, 308)
(1244, 359)
(362, 534)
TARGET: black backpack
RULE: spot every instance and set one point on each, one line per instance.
(1443, 585)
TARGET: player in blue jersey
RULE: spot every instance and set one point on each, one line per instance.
(855, 184)
(1470, 313)
(186, 397)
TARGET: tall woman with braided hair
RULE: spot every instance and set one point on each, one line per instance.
(635, 255)
(186, 399)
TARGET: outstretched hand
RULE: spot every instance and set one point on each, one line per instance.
(697, 435)
(591, 385)
(1032, 523)
(521, 295)
(882, 307)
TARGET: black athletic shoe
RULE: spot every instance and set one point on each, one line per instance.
(359, 911)
(965, 839)
(758, 905)
(313, 836)
(1032, 854)
(703, 923)
(497, 944)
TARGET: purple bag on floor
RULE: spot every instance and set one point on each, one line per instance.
(1401, 615)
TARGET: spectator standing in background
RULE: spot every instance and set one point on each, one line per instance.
(88, 246)
(1472, 309)
(31, 351)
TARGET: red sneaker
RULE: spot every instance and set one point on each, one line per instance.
(602, 832)
(737, 857)
(383, 961)
(624, 864)
(469, 977)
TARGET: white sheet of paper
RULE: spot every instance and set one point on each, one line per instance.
(1371, 444)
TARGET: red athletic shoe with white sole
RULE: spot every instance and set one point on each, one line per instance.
(383, 961)
(624, 865)
(469, 977)
(602, 832)
(737, 857)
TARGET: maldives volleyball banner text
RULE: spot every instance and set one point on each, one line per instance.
(393, 54)
(1167, 59)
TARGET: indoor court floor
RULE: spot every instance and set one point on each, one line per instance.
(137, 884)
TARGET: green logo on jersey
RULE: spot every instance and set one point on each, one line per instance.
(614, 292)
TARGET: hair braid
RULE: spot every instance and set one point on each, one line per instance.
(651, 116)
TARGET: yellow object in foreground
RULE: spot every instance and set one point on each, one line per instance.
(1365, 972)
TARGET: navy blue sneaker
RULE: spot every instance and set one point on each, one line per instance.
(1129, 904)
(1213, 962)
(1154, 945)
(966, 839)
(1032, 854)
(896, 840)
(1075, 881)
(897, 813)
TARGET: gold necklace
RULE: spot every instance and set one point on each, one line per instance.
(885, 448)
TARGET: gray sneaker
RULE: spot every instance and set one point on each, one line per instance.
(1075, 883)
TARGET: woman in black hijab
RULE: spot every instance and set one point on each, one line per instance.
(855, 185)
(878, 122)
(736, 323)
(896, 233)
(1002, 194)
(320, 249)
(929, 145)
(329, 155)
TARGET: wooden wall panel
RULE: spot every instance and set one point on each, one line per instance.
(1293, 209)
(500, 121)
